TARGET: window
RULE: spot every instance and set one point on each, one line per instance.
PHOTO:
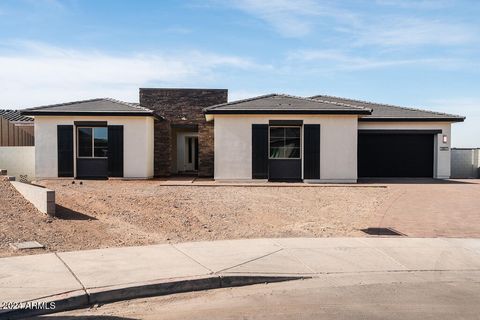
(85, 142)
(92, 142)
(100, 142)
(285, 142)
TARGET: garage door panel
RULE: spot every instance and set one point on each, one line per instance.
(395, 155)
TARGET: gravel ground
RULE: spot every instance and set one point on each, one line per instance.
(21, 221)
(99, 214)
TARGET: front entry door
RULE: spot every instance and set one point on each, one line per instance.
(191, 154)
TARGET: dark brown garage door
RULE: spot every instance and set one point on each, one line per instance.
(392, 154)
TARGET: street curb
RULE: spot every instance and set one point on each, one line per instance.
(66, 301)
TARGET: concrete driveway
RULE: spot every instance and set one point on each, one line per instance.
(431, 208)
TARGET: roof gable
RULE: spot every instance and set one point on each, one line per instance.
(284, 104)
(101, 106)
(388, 112)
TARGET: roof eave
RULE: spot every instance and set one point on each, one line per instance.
(86, 113)
(407, 119)
(297, 111)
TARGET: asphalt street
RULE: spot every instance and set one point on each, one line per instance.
(390, 295)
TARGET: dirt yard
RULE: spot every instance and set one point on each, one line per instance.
(97, 214)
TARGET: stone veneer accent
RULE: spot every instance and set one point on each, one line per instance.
(182, 107)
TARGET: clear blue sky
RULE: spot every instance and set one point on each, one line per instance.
(423, 53)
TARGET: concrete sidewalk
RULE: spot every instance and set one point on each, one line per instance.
(80, 278)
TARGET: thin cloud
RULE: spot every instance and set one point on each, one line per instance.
(416, 4)
(178, 30)
(303, 17)
(54, 74)
(291, 18)
(399, 31)
(49, 3)
(341, 61)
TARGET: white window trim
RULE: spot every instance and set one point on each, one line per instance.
(93, 143)
(301, 145)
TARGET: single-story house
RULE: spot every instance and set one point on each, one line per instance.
(273, 137)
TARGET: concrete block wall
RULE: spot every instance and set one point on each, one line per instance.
(465, 163)
(182, 107)
(42, 198)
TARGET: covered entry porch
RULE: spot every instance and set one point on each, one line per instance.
(185, 149)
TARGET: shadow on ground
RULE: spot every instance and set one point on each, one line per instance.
(82, 317)
(64, 213)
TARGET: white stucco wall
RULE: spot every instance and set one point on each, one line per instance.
(137, 135)
(18, 161)
(338, 145)
(441, 157)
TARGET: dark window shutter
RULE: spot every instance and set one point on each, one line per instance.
(65, 150)
(260, 151)
(311, 136)
(115, 151)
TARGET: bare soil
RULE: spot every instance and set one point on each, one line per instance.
(99, 214)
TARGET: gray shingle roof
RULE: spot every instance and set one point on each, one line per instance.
(387, 112)
(101, 106)
(284, 104)
(14, 116)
